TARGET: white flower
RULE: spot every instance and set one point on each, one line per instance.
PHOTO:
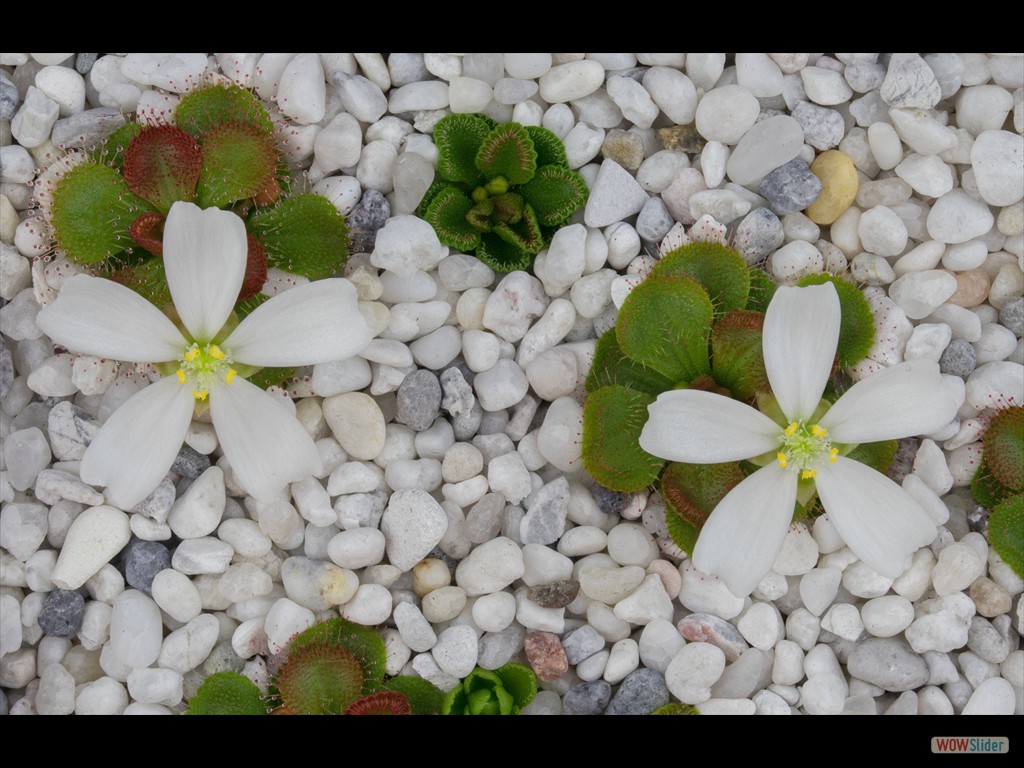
(876, 518)
(204, 259)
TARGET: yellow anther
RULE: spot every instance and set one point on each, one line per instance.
(215, 352)
(192, 354)
(791, 429)
(783, 461)
(199, 394)
(230, 375)
(181, 376)
(818, 431)
(807, 474)
(832, 455)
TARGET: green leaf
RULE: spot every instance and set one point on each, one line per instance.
(737, 359)
(458, 139)
(162, 165)
(691, 493)
(218, 104)
(227, 693)
(761, 290)
(111, 150)
(524, 234)
(612, 366)
(1003, 443)
(613, 418)
(437, 186)
(857, 328)
(877, 455)
(93, 210)
(239, 162)
(446, 213)
(555, 193)
(986, 490)
(502, 256)
(675, 708)
(508, 152)
(721, 270)
(550, 149)
(304, 234)
(520, 681)
(1006, 532)
(364, 643)
(147, 278)
(664, 324)
(424, 697)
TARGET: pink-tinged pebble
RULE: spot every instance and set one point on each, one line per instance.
(545, 653)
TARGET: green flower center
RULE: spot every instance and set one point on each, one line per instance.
(200, 366)
(803, 446)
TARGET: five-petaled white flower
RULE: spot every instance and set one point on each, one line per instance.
(204, 259)
(876, 518)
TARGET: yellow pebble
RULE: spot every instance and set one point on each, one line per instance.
(838, 186)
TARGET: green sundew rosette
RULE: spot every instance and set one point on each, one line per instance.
(503, 189)
(504, 691)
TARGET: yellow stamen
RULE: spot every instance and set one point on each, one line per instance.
(181, 376)
(783, 461)
(791, 429)
(192, 354)
(199, 394)
(230, 376)
(807, 474)
(215, 352)
(832, 455)
(818, 431)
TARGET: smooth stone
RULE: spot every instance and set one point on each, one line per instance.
(889, 664)
(640, 693)
(726, 113)
(956, 218)
(490, 567)
(997, 158)
(570, 81)
(412, 524)
(357, 423)
(136, 632)
(615, 195)
(767, 145)
(839, 184)
(693, 671)
(824, 86)
(994, 696)
(95, 536)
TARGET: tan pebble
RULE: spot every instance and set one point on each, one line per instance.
(989, 598)
(838, 186)
(971, 288)
(430, 574)
(669, 575)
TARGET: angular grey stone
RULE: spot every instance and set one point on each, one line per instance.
(418, 400)
(369, 215)
(545, 519)
(587, 698)
(758, 234)
(791, 187)
(84, 62)
(582, 643)
(190, 463)
(458, 396)
(6, 370)
(910, 82)
(889, 664)
(958, 358)
(142, 561)
(88, 128)
(642, 692)
(823, 127)
(62, 613)
(615, 196)
(70, 430)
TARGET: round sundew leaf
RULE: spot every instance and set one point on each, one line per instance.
(319, 680)
(447, 214)
(1003, 444)
(612, 366)
(147, 230)
(255, 269)
(424, 697)
(238, 162)
(691, 493)
(736, 355)
(380, 703)
(507, 151)
(613, 418)
(500, 255)
(1006, 532)
(664, 324)
(550, 149)
(761, 290)
(437, 186)
(856, 327)
(520, 681)
(364, 643)
(720, 270)
(162, 165)
(304, 234)
(147, 278)
(218, 103)
(524, 234)
(227, 693)
(986, 490)
(554, 193)
(92, 212)
(458, 138)
(878, 455)
(111, 150)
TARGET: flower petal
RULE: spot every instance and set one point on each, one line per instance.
(744, 534)
(704, 428)
(801, 333)
(99, 317)
(904, 400)
(136, 446)
(204, 257)
(265, 444)
(877, 519)
(313, 323)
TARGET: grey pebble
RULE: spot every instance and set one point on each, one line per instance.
(8, 98)
(654, 220)
(86, 129)
(823, 127)
(84, 62)
(608, 501)
(758, 234)
(6, 370)
(62, 613)
(958, 358)
(418, 400)
(791, 187)
(587, 698)
(642, 692)
(582, 643)
(369, 215)
(190, 462)
(557, 594)
(1012, 315)
(143, 560)
(466, 425)
(889, 664)
(458, 394)
(70, 430)
(986, 642)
